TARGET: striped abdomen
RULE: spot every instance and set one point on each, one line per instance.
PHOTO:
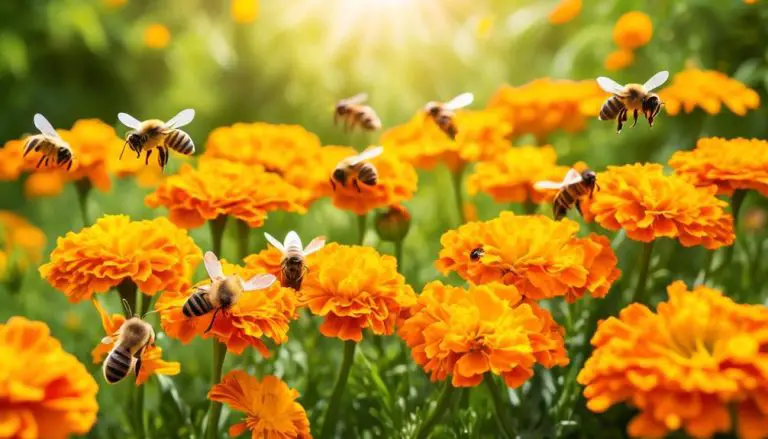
(118, 364)
(197, 305)
(38, 143)
(567, 197)
(611, 108)
(368, 174)
(180, 141)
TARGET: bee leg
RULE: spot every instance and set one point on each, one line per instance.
(69, 165)
(213, 319)
(633, 125)
(578, 207)
(621, 120)
(357, 186)
(558, 211)
(146, 159)
(47, 161)
(333, 185)
(40, 162)
(138, 355)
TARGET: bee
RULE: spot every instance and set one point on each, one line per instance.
(476, 254)
(443, 114)
(130, 341)
(49, 143)
(356, 168)
(571, 190)
(154, 133)
(292, 265)
(631, 97)
(353, 112)
(223, 292)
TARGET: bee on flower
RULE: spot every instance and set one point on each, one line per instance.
(292, 265)
(575, 186)
(357, 169)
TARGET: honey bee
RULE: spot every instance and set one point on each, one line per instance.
(130, 341)
(571, 190)
(49, 143)
(443, 114)
(631, 97)
(356, 168)
(476, 254)
(154, 133)
(223, 292)
(292, 265)
(354, 113)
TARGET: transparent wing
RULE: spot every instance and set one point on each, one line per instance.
(129, 121)
(183, 118)
(203, 288)
(314, 245)
(544, 185)
(459, 101)
(356, 99)
(275, 243)
(44, 126)
(610, 85)
(368, 154)
(656, 80)
(259, 282)
(573, 176)
(108, 340)
(292, 240)
(213, 266)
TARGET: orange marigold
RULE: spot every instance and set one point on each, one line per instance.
(707, 89)
(45, 392)
(244, 11)
(543, 258)
(269, 405)
(11, 160)
(22, 239)
(688, 366)
(647, 204)
(488, 328)
(44, 184)
(156, 36)
(220, 187)
(633, 29)
(565, 11)
(355, 288)
(619, 59)
(153, 254)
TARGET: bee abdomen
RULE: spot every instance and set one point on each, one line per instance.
(611, 108)
(368, 175)
(180, 141)
(117, 365)
(196, 305)
(31, 143)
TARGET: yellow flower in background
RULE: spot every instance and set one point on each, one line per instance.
(695, 364)
(619, 59)
(565, 11)
(45, 392)
(156, 36)
(632, 30)
(245, 11)
(484, 27)
(708, 90)
(3, 265)
(21, 239)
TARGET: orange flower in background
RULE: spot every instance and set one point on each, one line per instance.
(220, 187)
(633, 29)
(11, 160)
(263, 313)
(44, 184)
(114, 4)
(647, 204)
(355, 288)
(45, 391)
(730, 164)
(541, 257)
(619, 59)
(709, 90)
(489, 328)
(565, 11)
(269, 405)
(151, 360)
(153, 254)
(692, 365)
(22, 239)
(3, 265)
(156, 36)
(244, 11)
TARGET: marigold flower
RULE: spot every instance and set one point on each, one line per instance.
(44, 184)
(619, 59)
(565, 11)
(269, 405)
(707, 89)
(153, 254)
(156, 36)
(355, 288)
(220, 187)
(686, 366)
(11, 160)
(543, 258)
(44, 391)
(647, 204)
(151, 360)
(22, 239)
(488, 328)
(266, 313)
(3, 265)
(244, 11)
(393, 224)
(633, 29)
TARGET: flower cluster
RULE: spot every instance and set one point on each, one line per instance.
(709, 90)
(565, 11)
(633, 30)
(647, 204)
(20, 239)
(685, 366)
(543, 258)
(154, 254)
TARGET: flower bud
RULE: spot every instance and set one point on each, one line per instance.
(393, 224)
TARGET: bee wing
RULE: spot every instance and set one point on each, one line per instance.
(572, 177)
(356, 99)
(259, 282)
(44, 126)
(610, 85)
(368, 154)
(183, 118)
(292, 240)
(459, 101)
(213, 266)
(544, 185)
(108, 340)
(314, 245)
(129, 121)
(656, 80)
(275, 243)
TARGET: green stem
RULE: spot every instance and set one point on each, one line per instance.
(217, 233)
(361, 225)
(736, 202)
(128, 292)
(399, 255)
(642, 279)
(458, 194)
(498, 405)
(243, 239)
(219, 353)
(83, 188)
(139, 412)
(529, 207)
(332, 413)
(443, 402)
(708, 262)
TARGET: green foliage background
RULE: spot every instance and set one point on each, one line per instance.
(73, 59)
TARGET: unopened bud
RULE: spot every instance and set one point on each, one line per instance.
(393, 224)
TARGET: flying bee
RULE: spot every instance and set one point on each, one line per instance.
(292, 265)
(574, 187)
(356, 168)
(131, 340)
(223, 291)
(154, 133)
(354, 113)
(632, 97)
(476, 254)
(49, 143)
(443, 114)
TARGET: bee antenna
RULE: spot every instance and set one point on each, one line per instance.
(148, 312)
(127, 308)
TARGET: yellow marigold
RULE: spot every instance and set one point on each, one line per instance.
(633, 29)
(244, 11)
(219, 187)
(543, 258)
(619, 59)
(691, 365)
(707, 89)
(156, 36)
(647, 204)
(269, 405)
(565, 11)
(489, 328)
(22, 239)
(266, 313)
(397, 182)
(151, 360)
(45, 392)
(355, 288)
(153, 254)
